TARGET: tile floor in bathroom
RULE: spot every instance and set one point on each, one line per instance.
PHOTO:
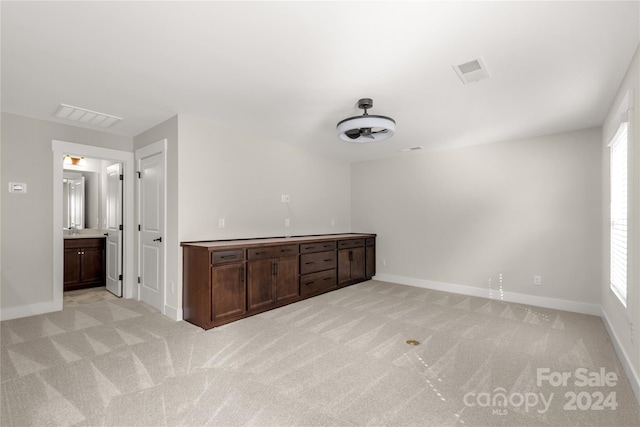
(85, 296)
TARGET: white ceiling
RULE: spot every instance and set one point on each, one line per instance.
(291, 70)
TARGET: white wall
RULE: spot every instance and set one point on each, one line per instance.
(239, 177)
(490, 217)
(618, 318)
(27, 224)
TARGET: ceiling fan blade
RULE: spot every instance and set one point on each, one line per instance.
(366, 132)
(381, 131)
(353, 133)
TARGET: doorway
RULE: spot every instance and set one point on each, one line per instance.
(61, 148)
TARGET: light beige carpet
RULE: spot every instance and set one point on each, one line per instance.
(337, 359)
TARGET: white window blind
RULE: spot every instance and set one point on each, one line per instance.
(618, 215)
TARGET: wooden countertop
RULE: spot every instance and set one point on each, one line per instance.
(229, 244)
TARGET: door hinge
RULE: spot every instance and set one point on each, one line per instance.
(138, 279)
(138, 227)
(121, 177)
(120, 277)
(139, 174)
(120, 227)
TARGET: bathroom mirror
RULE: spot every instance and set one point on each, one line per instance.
(80, 200)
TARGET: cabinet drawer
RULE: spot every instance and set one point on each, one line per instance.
(272, 252)
(371, 241)
(317, 282)
(90, 242)
(352, 243)
(220, 257)
(310, 263)
(306, 248)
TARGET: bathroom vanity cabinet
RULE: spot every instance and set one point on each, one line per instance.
(84, 263)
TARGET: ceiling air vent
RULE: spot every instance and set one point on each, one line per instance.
(472, 71)
(83, 115)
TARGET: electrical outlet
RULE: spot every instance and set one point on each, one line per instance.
(537, 280)
(284, 198)
(221, 223)
(287, 223)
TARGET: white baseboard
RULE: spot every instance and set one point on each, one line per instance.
(557, 304)
(29, 310)
(173, 313)
(625, 361)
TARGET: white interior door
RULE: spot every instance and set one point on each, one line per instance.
(151, 217)
(114, 229)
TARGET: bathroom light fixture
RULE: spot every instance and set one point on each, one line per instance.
(366, 128)
(75, 161)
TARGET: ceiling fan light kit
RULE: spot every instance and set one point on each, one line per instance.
(366, 128)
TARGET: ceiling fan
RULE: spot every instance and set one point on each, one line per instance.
(366, 128)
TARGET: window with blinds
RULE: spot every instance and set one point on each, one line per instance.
(618, 215)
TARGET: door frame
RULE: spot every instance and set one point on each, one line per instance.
(60, 148)
(158, 147)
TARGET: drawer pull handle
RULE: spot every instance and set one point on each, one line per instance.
(309, 283)
(228, 257)
(309, 247)
(285, 250)
(261, 253)
(328, 260)
(309, 263)
(327, 278)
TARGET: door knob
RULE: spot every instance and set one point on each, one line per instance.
(159, 239)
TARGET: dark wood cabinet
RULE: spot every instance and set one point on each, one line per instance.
(351, 261)
(370, 257)
(260, 289)
(84, 263)
(216, 292)
(318, 268)
(224, 281)
(227, 291)
(287, 279)
(272, 275)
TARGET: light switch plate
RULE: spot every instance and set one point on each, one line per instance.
(17, 187)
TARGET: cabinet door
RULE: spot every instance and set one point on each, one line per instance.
(350, 265)
(92, 265)
(370, 268)
(260, 284)
(287, 279)
(357, 263)
(344, 266)
(228, 291)
(72, 266)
